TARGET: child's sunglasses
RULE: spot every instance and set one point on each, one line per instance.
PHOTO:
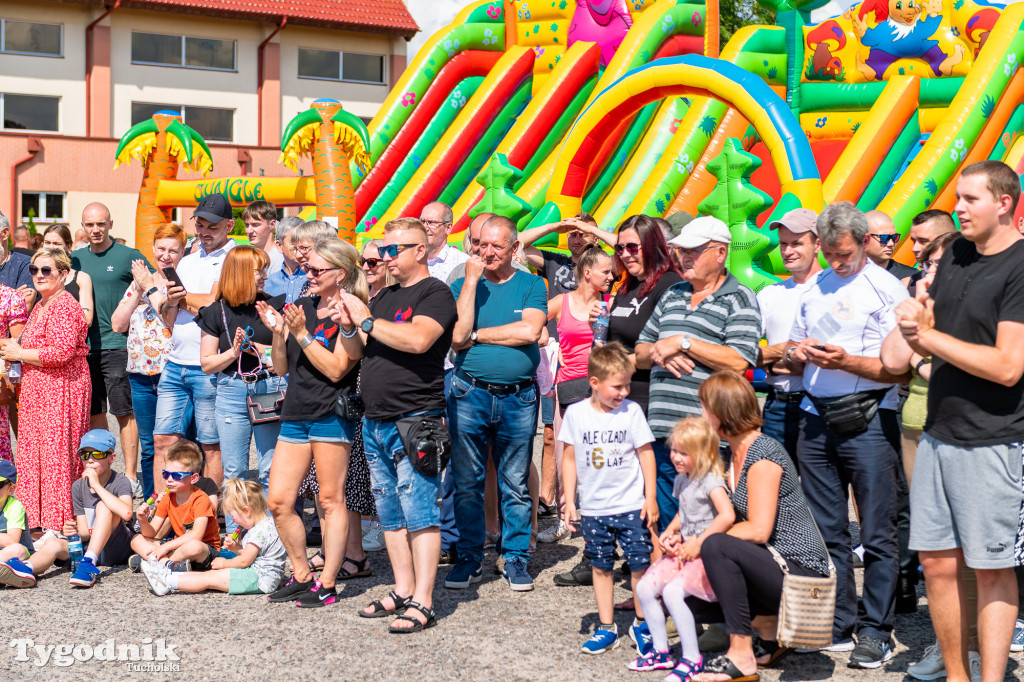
(94, 454)
(176, 475)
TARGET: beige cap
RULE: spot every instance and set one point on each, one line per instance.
(798, 221)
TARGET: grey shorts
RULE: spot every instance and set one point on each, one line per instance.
(967, 498)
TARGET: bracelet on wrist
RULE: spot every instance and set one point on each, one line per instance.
(305, 341)
(348, 335)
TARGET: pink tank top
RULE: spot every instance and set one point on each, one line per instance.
(575, 337)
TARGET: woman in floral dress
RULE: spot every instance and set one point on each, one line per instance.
(55, 394)
(13, 314)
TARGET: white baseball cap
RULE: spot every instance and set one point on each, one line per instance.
(700, 231)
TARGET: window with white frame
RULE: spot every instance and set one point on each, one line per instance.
(31, 38)
(29, 112)
(43, 206)
(215, 125)
(186, 52)
(351, 67)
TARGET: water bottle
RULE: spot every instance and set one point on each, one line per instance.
(268, 360)
(601, 326)
(75, 550)
(14, 372)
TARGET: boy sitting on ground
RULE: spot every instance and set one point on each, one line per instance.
(102, 502)
(186, 510)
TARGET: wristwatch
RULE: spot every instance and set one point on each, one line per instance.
(684, 344)
(473, 337)
(151, 291)
(367, 324)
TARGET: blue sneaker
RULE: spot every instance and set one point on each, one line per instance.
(15, 573)
(463, 574)
(654, 660)
(515, 573)
(602, 641)
(85, 574)
(1017, 644)
(640, 633)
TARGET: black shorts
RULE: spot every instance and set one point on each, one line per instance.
(109, 375)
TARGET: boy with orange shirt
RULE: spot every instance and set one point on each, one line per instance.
(186, 510)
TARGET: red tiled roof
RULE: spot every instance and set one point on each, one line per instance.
(382, 16)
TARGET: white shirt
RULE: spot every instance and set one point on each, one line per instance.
(276, 259)
(855, 313)
(608, 474)
(779, 304)
(198, 271)
(445, 261)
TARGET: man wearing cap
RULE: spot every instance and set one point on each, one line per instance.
(109, 264)
(183, 377)
(706, 323)
(884, 239)
(798, 246)
(850, 431)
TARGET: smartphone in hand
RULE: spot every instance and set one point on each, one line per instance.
(172, 276)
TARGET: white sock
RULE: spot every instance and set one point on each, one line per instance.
(29, 564)
(859, 551)
(92, 555)
(171, 580)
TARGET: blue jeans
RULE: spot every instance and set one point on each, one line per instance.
(829, 465)
(405, 498)
(483, 422)
(236, 431)
(449, 530)
(782, 422)
(180, 384)
(144, 404)
(668, 504)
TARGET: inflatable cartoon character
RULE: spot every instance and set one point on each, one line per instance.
(980, 25)
(605, 22)
(825, 40)
(899, 35)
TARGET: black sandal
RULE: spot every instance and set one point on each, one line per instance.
(362, 569)
(417, 626)
(313, 568)
(379, 611)
(771, 649)
(723, 665)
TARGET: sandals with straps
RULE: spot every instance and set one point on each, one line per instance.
(417, 626)
(362, 569)
(380, 611)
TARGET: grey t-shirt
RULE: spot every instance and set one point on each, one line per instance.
(84, 501)
(269, 563)
(696, 510)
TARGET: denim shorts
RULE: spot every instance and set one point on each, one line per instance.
(179, 384)
(601, 532)
(329, 429)
(405, 498)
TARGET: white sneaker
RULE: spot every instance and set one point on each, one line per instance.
(554, 533)
(136, 488)
(974, 661)
(930, 667)
(155, 572)
(373, 541)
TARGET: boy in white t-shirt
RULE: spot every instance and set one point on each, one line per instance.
(608, 449)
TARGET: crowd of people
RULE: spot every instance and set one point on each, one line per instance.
(403, 385)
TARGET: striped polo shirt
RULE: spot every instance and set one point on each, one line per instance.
(728, 317)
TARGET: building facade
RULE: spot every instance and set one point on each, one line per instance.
(75, 75)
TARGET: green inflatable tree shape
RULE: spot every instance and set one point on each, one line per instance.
(736, 202)
(497, 179)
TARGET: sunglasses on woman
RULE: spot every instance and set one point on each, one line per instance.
(392, 250)
(35, 270)
(884, 239)
(631, 249)
(316, 272)
(369, 262)
(175, 475)
(86, 455)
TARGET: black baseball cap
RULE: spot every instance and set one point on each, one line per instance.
(214, 208)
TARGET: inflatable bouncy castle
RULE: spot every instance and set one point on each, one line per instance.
(618, 107)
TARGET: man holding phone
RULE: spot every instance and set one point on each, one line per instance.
(109, 264)
(192, 287)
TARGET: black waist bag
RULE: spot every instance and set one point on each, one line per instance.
(428, 445)
(349, 406)
(849, 415)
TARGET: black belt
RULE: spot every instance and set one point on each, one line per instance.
(496, 389)
(254, 377)
(784, 397)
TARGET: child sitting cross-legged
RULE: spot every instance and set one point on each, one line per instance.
(102, 502)
(186, 510)
(20, 560)
(704, 509)
(259, 566)
(608, 447)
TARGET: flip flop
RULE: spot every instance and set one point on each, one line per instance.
(772, 650)
(723, 665)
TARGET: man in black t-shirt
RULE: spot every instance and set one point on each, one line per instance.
(406, 335)
(882, 244)
(971, 321)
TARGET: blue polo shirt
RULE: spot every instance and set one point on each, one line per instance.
(280, 282)
(496, 305)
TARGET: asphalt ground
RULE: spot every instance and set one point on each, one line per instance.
(484, 633)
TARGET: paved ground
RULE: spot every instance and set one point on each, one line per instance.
(483, 633)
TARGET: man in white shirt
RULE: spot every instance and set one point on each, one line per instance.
(850, 431)
(441, 258)
(799, 247)
(183, 377)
